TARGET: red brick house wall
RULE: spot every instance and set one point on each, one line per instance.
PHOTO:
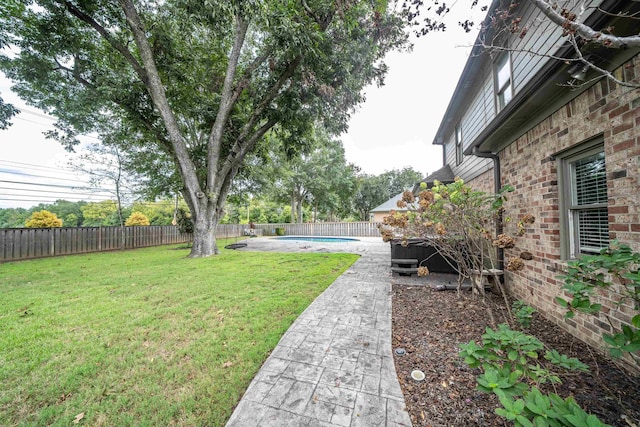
(528, 164)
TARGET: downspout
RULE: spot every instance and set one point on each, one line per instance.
(497, 180)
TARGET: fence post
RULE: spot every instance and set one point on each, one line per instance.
(52, 242)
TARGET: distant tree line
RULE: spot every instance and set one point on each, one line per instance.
(287, 192)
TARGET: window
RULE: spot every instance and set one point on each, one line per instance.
(459, 147)
(503, 84)
(583, 179)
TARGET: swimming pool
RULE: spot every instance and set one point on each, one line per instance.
(319, 239)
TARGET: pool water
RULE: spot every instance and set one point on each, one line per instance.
(319, 239)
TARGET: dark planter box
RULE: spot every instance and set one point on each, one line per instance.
(426, 255)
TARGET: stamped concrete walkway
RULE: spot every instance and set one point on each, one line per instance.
(334, 366)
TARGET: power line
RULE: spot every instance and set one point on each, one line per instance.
(36, 113)
(44, 169)
(34, 166)
(50, 200)
(43, 191)
(20, 173)
(54, 185)
(50, 125)
(31, 121)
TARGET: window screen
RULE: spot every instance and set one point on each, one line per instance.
(589, 204)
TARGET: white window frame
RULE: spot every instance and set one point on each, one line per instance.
(503, 80)
(573, 242)
(459, 146)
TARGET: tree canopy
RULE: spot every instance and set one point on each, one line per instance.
(197, 85)
(373, 190)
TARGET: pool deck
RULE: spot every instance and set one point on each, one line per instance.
(334, 365)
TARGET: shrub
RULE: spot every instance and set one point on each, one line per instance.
(462, 224)
(615, 267)
(136, 219)
(183, 218)
(511, 370)
(43, 219)
(523, 313)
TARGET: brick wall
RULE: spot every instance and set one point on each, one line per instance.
(484, 182)
(605, 109)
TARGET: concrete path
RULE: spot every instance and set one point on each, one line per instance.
(334, 366)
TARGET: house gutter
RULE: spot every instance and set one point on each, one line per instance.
(497, 179)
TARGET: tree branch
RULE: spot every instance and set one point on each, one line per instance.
(227, 100)
(73, 72)
(243, 142)
(107, 36)
(156, 91)
(232, 165)
(572, 26)
(578, 59)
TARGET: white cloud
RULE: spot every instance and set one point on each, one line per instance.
(396, 125)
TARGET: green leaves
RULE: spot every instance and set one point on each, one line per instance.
(570, 363)
(616, 265)
(537, 409)
(509, 362)
(503, 380)
(523, 313)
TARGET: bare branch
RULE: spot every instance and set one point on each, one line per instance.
(572, 26)
(580, 58)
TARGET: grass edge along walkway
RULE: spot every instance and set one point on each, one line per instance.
(146, 337)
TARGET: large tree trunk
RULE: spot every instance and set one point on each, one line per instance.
(204, 235)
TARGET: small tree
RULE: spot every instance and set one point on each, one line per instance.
(43, 219)
(137, 219)
(463, 225)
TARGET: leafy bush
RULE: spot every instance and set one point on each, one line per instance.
(183, 218)
(43, 219)
(523, 313)
(509, 360)
(616, 265)
(137, 219)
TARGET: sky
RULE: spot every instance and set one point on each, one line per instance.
(396, 125)
(393, 129)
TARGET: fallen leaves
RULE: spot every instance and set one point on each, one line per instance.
(78, 418)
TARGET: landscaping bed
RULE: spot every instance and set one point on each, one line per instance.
(430, 325)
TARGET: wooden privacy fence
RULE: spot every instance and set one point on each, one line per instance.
(27, 243)
(354, 229)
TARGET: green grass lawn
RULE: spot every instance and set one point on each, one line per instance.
(146, 337)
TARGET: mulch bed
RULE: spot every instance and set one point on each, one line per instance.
(430, 325)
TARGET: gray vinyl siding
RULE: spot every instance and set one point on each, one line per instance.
(470, 168)
(481, 111)
(543, 37)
